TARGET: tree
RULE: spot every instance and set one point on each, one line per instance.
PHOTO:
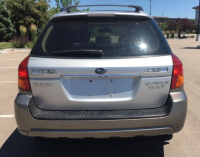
(6, 27)
(192, 20)
(164, 26)
(53, 11)
(27, 12)
(184, 24)
(172, 25)
(63, 3)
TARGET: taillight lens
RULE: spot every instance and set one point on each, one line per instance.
(177, 75)
(23, 79)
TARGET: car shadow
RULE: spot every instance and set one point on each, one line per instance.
(18, 145)
(189, 47)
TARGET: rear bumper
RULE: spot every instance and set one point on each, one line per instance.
(99, 133)
(169, 124)
(40, 114)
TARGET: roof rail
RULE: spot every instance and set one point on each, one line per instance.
(67, 8)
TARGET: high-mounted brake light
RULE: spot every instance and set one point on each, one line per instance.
(100, 14)
(177, 75)
(23, 79)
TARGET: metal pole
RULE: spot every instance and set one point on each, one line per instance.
(150, 6)
(198, 17)
(162, 20)
(198, 37)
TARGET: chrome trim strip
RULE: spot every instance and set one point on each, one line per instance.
(111, 75)
(156, 76)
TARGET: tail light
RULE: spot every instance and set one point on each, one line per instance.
(177, 75)
(23, 79)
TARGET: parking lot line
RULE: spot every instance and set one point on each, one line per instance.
(7, 67)
(6, 116)
(8, 81)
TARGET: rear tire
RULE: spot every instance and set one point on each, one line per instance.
(166, 137)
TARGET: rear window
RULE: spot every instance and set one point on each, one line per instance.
(115, 37)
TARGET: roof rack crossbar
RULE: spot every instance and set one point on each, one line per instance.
(67, 8)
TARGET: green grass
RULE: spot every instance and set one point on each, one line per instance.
(5, 45)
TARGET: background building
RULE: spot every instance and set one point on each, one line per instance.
(196, 14)
(196, 17)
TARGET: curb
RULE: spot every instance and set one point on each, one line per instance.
(14, 49)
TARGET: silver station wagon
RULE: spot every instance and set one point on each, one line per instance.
(100, 74)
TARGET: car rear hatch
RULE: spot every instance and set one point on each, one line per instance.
(67, 70)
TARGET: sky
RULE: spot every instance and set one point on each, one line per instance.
(169, 8)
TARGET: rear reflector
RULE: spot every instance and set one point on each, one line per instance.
(23, 79)
(177, 75)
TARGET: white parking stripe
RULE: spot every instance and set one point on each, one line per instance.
(7, 67)
(8, 81)
(6, 116)
(9, 59)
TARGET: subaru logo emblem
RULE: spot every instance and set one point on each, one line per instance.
(100, 71)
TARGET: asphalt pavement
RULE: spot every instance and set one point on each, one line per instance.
(183, 144)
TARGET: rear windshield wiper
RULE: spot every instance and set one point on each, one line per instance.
(79, 52)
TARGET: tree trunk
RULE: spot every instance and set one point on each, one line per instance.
(179, 34)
